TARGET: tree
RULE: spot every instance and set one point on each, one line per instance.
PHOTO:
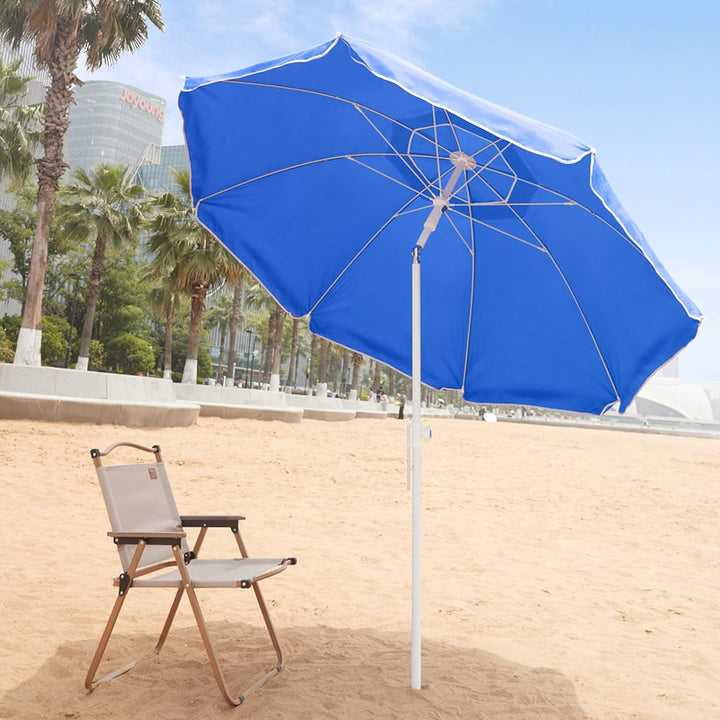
(165, 297)
(323, 369)
(277, 324)
(357, 361)
(220, 316)
(61, 30)
(107, 205)
(237, 283)
(20, 125)
(263, 303)
(292, 366)
(183, 249)
(17, 227)
(54, 341)
(6, 351)
(130, 354)
(124, 298)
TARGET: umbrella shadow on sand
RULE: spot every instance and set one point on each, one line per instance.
(330, 673)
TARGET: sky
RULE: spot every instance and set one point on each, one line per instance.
(639, 80)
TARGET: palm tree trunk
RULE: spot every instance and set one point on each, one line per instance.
(293, 350)
(197, 306)
(357, 360)
(313, 354)
(237, 295)
(169, 320)
(268, 347)
(278, 323)
(345, 371)
(93, 294)
(220, 356)
(50, 169)
(323, 369)
(377, 379)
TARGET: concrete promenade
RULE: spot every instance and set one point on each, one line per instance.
(64, 395)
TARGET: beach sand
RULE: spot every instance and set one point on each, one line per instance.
(568, 573)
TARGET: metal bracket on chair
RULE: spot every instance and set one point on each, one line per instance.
(124, 582)
(188, 556)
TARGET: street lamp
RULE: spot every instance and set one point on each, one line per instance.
(76, 278)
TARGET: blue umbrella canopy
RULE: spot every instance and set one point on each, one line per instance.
(328, 174)
(318, 171)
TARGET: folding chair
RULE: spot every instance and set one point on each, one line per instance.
(150, 538)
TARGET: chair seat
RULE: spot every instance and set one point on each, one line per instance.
(212, 573)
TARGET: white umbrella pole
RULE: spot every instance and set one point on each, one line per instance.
(440, 203)
(417, 438)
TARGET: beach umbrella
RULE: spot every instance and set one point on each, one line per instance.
(335, 174)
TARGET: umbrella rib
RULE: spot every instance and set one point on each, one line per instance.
(575, 300)
(385, 175)
(437, 149)
(308, 163)
(567, 201)
(358, 106)
(474, 219)
(562, 275)
(460, 235)
(473, 260)
(410, 166)
(394, 216)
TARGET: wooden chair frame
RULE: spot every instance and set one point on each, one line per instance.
(185, 585)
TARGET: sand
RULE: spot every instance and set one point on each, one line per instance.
(568, 573)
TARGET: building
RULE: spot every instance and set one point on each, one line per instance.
(114, 124)
(158, 176)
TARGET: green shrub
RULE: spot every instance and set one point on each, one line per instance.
(7, 354)
(130, 354)
(96, 359)
(11, 325)
(54, 340)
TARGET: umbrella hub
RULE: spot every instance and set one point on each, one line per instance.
(459, 159)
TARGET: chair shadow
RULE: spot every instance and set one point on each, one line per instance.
(329, 673)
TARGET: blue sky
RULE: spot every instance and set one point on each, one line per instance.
(637, 79)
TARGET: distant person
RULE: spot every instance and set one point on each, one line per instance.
(401, 406)
(378, 395)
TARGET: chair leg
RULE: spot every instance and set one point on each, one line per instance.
(125, 585)
(207, 642)
(169, 619)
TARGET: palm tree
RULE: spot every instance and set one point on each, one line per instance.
(261, 301)
(165, 297)
(108, 206)
(61, 30)
(168, 211)
(20, 126)
(357, 361)
(183, 249)
(323, 369)
(292, 365)
(220, 316)
(277, 323)
(237, 281)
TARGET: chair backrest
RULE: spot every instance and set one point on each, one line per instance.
(138, 498)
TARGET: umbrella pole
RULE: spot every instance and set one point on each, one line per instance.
(461, 162)
(417, 438)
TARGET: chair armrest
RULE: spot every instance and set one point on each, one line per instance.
(151, 538)
(230, 521)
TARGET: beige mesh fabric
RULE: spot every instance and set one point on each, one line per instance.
(138, 499)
